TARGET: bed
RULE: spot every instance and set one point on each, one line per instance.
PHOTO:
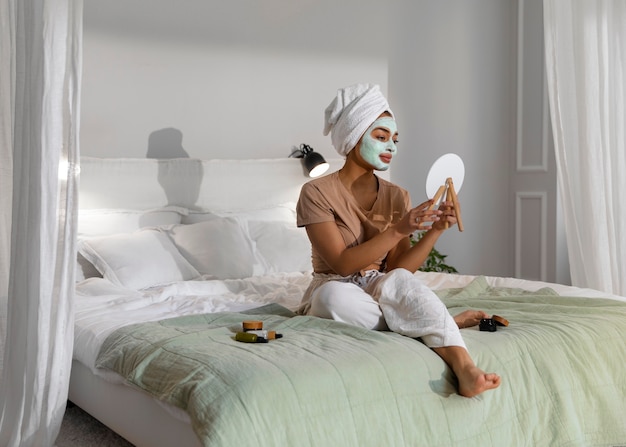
(175, 254)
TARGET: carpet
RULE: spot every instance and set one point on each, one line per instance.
(79, 429)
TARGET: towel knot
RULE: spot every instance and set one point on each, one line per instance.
(352, 111)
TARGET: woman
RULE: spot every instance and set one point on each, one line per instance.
(359, 227)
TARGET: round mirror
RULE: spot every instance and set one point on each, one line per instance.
(448, 165)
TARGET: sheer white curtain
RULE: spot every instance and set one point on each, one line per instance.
(585, 45)
(40, 65)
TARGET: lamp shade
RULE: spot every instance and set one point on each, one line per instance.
(315, 164)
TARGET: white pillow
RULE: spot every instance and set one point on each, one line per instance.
(104, 222)
(101, 222)
(220, 248)
(137, 260)
(283, 246)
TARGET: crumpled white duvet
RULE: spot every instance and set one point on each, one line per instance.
(102, 307)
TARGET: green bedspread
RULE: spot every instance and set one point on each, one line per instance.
(330, 384)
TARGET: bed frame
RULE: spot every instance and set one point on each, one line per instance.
(144, 421)
(144, 183)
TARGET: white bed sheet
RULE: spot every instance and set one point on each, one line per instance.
(445, 280)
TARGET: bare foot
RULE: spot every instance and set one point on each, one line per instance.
(473, 381)
(469, 318)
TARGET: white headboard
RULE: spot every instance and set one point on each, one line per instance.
(143, 183)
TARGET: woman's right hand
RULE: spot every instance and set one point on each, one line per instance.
(419, 218)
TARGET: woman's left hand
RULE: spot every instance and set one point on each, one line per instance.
(469, 318)
(448, 216)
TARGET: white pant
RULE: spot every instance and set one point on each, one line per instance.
(397, 300)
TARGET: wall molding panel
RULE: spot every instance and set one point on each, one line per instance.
(531, 229)
(531, 151)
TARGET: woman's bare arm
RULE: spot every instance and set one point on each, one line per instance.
(329, 243)
(394, 241)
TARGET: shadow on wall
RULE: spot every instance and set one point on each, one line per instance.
(180, 180)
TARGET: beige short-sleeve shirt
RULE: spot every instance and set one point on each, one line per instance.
(326, 199)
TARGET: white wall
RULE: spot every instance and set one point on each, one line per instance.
(251, 78)
(237, 79)
(452, 83)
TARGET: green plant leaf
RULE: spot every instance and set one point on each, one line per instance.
(435, 262)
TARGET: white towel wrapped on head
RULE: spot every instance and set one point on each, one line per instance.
(352, 111)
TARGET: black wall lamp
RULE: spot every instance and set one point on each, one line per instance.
(313, 162)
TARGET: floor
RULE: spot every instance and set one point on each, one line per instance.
(79, 429)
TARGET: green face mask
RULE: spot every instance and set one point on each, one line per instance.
(377, 151)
